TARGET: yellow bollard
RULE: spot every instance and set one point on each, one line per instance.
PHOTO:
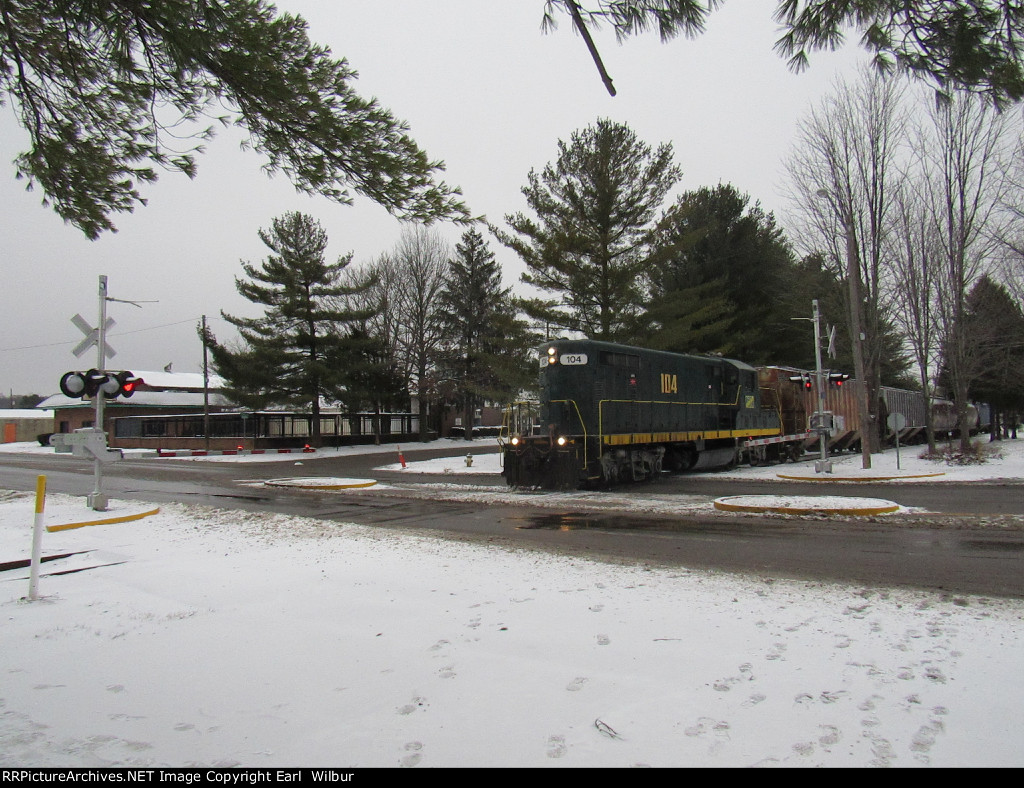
(37, 539)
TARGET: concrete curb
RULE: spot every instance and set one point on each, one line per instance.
(798, 505)
(830, 477)
(326, 483)
(218, 453)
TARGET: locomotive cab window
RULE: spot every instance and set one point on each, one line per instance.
(623, 360)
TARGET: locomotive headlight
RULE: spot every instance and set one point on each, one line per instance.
(552, 355)
(561, 440)
(515, 441)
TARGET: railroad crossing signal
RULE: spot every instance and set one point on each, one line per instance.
(837, 379)
(92, 336)
(804, 379)
(127, 383)
(89, 384)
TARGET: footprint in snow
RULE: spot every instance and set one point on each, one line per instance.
(416, 703)
(577, 684)
(556, 747)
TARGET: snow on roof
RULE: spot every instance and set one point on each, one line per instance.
(25, 413)
(177, 380)
(142, 398)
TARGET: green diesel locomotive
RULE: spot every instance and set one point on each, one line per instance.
(612, 413)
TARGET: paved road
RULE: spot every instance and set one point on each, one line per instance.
(978, 552)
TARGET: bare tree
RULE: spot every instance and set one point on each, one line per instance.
(964, 148)
(915, 264)
(382, 297)
(420, 261)
(842, 175)
(403, 302)
(1012, 235)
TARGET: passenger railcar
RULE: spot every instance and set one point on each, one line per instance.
(611, 413)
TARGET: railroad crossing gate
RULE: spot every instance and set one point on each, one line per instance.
(88, 443)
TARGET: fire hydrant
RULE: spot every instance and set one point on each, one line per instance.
(469, 460)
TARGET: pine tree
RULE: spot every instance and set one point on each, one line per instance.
(953, 44)
(595, 209)
(299, 351)
(107, 88)
(726, 254)
(994, 336)
(485, 346)
(692, 319)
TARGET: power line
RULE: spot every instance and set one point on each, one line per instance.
(118, 334)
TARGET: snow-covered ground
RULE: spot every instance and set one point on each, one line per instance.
(212, 637)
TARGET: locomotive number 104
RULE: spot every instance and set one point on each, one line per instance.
(669, 384)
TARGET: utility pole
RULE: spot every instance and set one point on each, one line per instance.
(206, 390)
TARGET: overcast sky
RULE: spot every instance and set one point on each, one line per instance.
(481, 88)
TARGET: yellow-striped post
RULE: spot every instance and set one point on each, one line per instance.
(37, 538)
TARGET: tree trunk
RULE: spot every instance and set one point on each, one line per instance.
(467, 416)
(314, 428)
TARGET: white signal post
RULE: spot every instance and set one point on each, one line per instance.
(96, 442)
(824, 464)
(97, 499)
(819, 421)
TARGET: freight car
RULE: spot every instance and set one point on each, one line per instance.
(611, 413)
(795, 402)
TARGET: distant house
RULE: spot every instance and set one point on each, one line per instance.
(159, 394)
(20, 425)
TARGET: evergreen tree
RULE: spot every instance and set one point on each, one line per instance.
(731, 263)
(690, 319)
(590, 239)
(485, 349)
(953, 44)
(372, 380)
(993, 333)
(106, 88)
(298, 352)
